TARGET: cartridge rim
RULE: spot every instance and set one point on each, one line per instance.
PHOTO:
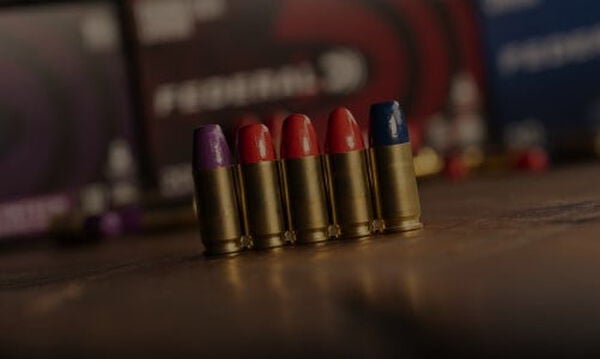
(269, 241)
(312, 236)
(356, 231)
(390, 226)
(223, 247)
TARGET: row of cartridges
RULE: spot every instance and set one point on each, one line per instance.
(259, 201)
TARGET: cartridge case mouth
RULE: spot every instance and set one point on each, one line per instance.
(305, 197)
(217, 210)
(350, 193)
(262, 197)
(396, 194)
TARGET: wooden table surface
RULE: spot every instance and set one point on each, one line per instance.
(506, 266)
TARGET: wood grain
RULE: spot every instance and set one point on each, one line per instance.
(506, 266)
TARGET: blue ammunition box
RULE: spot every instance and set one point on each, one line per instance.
(543, 67)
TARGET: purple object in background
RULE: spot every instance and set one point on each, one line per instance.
(131, 219)
(210, 148)
(124, 221)
(102, 226)
(114, 223)
(64, 103)
(64, 98)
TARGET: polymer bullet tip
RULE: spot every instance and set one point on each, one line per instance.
(387, 124)
(299, 137)
(210, 149)
(245, 120)
(343, 132)
(274, 123)
(255, 144)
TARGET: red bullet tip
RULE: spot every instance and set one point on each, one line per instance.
(242, 121)
(246, 120)
(343, 133)
(274, 122)
(299, 137)
(255, 144)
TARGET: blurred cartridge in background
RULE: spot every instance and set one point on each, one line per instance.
(77, 227)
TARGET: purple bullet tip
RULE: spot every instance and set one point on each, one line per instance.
(210, 148)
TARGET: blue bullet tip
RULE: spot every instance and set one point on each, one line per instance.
(387, 124)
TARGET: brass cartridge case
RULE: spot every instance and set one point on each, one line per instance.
(350, 195)
(218, 212)
(395, 186)
(264, 209)
(306, 199)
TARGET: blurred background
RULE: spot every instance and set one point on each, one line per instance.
(98, 99)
